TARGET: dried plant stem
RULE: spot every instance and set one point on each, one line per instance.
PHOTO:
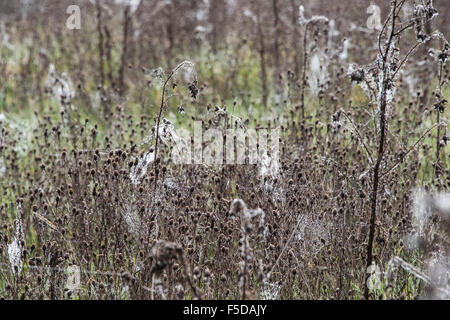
(284, 249)
(126, 25)
(108, 54)
(276, 45)
(295, 36)
(376, 170)
(187, 276)
(369, 154)
(409, 150)
(438, 117)
(160, 113)
(305, 61)
(158, 121)
(100, 42)
(262, 56)
(244, 276)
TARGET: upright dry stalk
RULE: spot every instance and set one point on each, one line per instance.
(108, 54)
(440, 105)
(305, 61)
(295, 36)
(100, 42)
(314, 20)
(385, 80)
(438, 119)
(388, 67)
(126, 26)
(276, 44)
(262, 55)
(276, 48)
(158, 122)
(194, 91)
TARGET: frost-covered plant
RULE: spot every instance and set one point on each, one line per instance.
(314, 19)
(189, 75)
(132, 220)
(138, 171)
(239, 208)
(317, 22)
(311, 235)
(16, 247)
(133, 4)
(318, 72)
(270, 290)
(167, 134)
(430, 234)
(60, 87)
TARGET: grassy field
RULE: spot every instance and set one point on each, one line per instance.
(349, 201)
